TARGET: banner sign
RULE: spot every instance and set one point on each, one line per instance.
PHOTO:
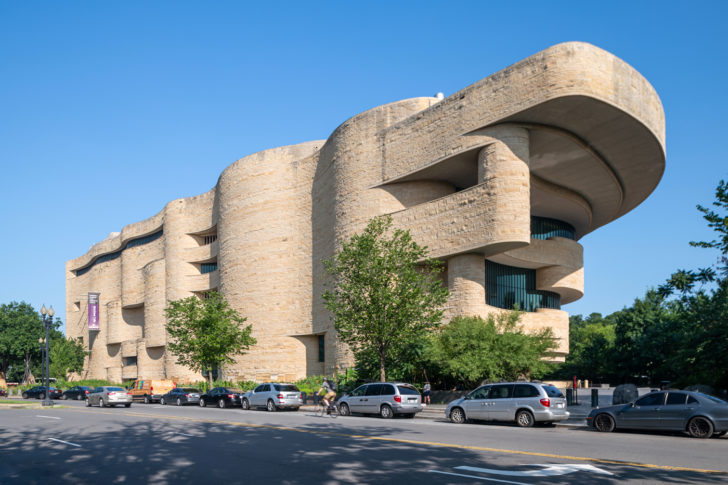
(93, 311)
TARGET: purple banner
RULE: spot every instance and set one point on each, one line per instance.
(93, 311)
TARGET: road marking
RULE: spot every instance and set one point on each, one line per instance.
(185, 434)
(49, 417)
(549, 470)
(477, 477)
(65, 442)
(415, 442)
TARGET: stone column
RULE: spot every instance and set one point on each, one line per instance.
(466, 281)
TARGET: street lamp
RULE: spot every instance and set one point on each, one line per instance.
(47, 317)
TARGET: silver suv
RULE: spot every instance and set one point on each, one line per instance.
(273, 396)
(523, 402)
(383, 398)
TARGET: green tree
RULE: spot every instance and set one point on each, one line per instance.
(20, 329)
(591, 348)
(386, 294)
(206, 334)
(66, 355)
(472, 350)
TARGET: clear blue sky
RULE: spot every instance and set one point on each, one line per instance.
(108, 110)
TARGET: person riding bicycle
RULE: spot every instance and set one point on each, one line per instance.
(327, 390)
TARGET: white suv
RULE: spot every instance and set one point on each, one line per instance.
(383, 398)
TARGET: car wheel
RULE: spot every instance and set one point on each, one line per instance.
(700, 427)
(604, 423)
(88, 403)
(222, 404)
(179, 402)
(127, 405)
(245, 404)
(344, 409)
(524, 419)
(202, 403)
(63, 397)
(79, 397)
(101, 403)
(146, 400)
(25, 395)
(386, 412)
(41, 396)
(457, 416)
(271, 406)
(162, 401)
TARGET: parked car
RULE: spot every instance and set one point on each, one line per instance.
(150, 390)
(524, 403)
(698, 414)
(223, 397)
(181, 395)
(39, 392)
(3, 393)
(384, 398)
(273, 396)
(109, 396)
(77, 392)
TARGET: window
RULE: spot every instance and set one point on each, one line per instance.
(359, 391)
(545, 228)
(321, 349)
(552, 391)
(285, 388)
(258, 389)
(481, 393)
(525, 390)
(208, 267)
(692, 400)
(508, 286)
(130, 360)
(111, 256)
(657, 399)
(209, 239)
(408, 391)
(374, 390)
(501, 392)
(676, 398)
(387, 390)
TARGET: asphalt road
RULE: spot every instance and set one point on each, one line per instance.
(166, 444)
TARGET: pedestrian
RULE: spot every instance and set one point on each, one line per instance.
(426, 391)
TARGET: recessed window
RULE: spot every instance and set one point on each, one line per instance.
(508, 287)
(208, 267)
(321, 349)
(545, 228)
(76, 306)
(130, 361)
(209, 239)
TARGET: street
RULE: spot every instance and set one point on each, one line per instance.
(165, 444)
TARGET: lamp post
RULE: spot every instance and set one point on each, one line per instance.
(47, 317)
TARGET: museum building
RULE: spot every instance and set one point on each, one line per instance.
(499, 180)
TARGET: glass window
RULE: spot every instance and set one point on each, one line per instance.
(359, 391)
(259, 388)
(115, 389)
(480, 393)
(676, 398)
(508, 286)
(545, 228)
(266, 388)
(321, 349)
(525, 390)
(408, 390)
(656, 399)
(503, 391)
(387, 390)
(552, 391)
(692, 400)
(374, 390)
(285, 388)
(711, 398)
(208, 267)
(190, 389)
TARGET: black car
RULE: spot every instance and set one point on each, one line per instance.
(181, 395)
(221, 397)
(39, 392)
(77, 392)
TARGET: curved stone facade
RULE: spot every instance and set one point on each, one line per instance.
(571, 134)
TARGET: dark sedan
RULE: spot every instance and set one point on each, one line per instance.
(698, 414)
(181, 395)
(77, 392)
(39, 392)
(221, 397)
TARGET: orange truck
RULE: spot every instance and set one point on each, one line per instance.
(150, 390)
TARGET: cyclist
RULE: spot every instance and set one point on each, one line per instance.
(328, 394)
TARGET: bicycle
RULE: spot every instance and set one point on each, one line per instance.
(321, 410)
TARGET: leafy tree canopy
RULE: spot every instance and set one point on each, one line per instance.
(20, 329)
(205, 334)
(66, 355)
(386, 292)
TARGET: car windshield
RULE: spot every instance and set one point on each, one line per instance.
(552, 391)
(190, 389)
(712, 398)
(405, 389)
(285, 388)
(115, 389)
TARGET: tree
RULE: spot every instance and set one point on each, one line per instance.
(66, 355)
(20, 329)
(719, 223)
(472, 350)
(386, 292)
(206, 334)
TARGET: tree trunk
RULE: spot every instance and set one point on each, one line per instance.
(209, 378)
(382, 369)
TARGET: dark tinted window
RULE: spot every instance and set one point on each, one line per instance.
(266, 387)
(190, 389)
(285, 388)
(676, 398)
(552, 391)
(656, 399)
(359, 391)
(387, 390)
(259, 388)
(480, 393)
(712, 398)
(692, 400)
(502, 391)
(408, 390)
(374, 390)
(525, 390)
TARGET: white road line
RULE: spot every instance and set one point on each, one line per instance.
(65, 442)
(49, 417)
(479, 478)
(185, 434)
